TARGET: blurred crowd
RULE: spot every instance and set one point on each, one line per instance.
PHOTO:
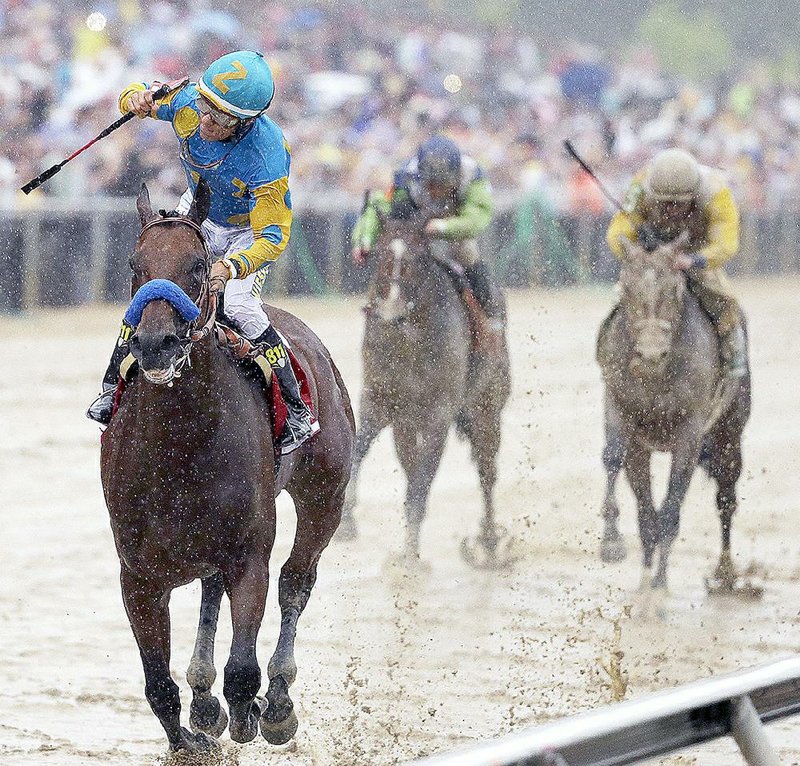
(358, 89)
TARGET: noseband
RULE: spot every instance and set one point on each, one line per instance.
(206, 297)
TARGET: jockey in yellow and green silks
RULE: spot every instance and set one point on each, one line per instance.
(226, 138)
(450, 192)
(674, 195)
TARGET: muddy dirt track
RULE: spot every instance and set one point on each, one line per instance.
(390, 667)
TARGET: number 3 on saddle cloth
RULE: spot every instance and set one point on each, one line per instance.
(243, 351)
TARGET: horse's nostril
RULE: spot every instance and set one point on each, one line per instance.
(135, 344)
(171, 343)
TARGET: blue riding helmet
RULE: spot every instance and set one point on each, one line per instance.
(239, 83)
(439, 162)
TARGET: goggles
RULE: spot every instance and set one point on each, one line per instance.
(219, 117)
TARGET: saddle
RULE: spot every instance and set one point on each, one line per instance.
(251, 356)
(487, 339)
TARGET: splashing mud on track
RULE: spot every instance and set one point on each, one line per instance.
(393, 666)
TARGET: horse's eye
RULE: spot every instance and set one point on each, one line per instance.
(132, 263)
(199, 266)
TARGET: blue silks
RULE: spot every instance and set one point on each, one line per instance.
(160, 290)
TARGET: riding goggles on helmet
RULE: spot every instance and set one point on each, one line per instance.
(219, 117)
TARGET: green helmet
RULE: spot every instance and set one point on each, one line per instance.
(673, 176)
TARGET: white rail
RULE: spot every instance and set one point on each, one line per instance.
(734, 705)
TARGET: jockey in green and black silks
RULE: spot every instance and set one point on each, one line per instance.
(450, 192)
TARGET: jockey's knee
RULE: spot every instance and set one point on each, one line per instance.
(248, 315)
(467, 253)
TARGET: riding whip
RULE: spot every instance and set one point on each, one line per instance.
(164, 90)
(575, 156)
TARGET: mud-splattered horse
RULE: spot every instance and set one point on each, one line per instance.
(660, 360)
(188, 472)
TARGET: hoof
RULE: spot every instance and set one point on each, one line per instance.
(246, 730)
(347, 530)
(493, 552)
(208, 716)
(279, 732)
(738, 587)
(613, 550)
(196, 743)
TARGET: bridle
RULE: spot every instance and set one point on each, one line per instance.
(207, 298)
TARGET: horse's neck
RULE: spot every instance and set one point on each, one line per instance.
(195, 405)
(433, 291)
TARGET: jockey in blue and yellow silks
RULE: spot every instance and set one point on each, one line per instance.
(226, 139)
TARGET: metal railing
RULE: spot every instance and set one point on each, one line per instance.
(736, 705)
(62, 253)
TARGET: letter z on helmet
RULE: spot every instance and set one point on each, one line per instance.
(239, 83)
(673, 176)
(439, 162)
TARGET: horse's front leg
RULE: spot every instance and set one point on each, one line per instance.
(612, 546)
(206, 713)
(684, 461)
(419, 446)
(147, 606)
(247, 590)
(637, 469)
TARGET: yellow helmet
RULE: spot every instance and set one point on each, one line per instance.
(673, 176)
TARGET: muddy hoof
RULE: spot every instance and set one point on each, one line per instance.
(482, 553)
(347, 531)
(279, 732)
(196, 743)
(245, 731)
(738, 587)
(208, 716)
(613, 550)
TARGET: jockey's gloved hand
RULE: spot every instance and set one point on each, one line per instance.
(435, 227)
(360, 253)
(647, 237)
(221, 272)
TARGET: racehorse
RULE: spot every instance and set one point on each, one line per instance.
(420, 377)
(189, 476)
(659, 356)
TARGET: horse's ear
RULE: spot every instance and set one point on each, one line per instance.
(144, 207)
(201, 202)
(681, 242)
(628, 247)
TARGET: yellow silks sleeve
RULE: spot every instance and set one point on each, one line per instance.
(723, 229)
(623, 224)
(271, 221)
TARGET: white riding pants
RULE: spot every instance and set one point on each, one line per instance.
(242, 296)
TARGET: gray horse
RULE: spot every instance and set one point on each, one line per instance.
(659, 356)
(420, 377)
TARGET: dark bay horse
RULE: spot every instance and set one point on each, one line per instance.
(659, 355)
(188, 472)
(420, 377)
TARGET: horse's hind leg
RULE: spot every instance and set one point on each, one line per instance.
(147, 605)
(370, 425)
(612, 546)
(637, 468)
(318, 514)
(206, 713)
(725, 466)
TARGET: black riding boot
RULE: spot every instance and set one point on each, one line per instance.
(300, 423)
(100, 409)
(480, 280)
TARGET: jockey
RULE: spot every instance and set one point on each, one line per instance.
(226, 138)
(675, 194)
(451, 192)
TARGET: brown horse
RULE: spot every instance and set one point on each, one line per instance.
(189, 475)
(420, 377)
(659, 356)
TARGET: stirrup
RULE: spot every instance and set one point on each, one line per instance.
(297, 432)
(101, 409)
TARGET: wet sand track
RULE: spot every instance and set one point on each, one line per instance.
(392, 667)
